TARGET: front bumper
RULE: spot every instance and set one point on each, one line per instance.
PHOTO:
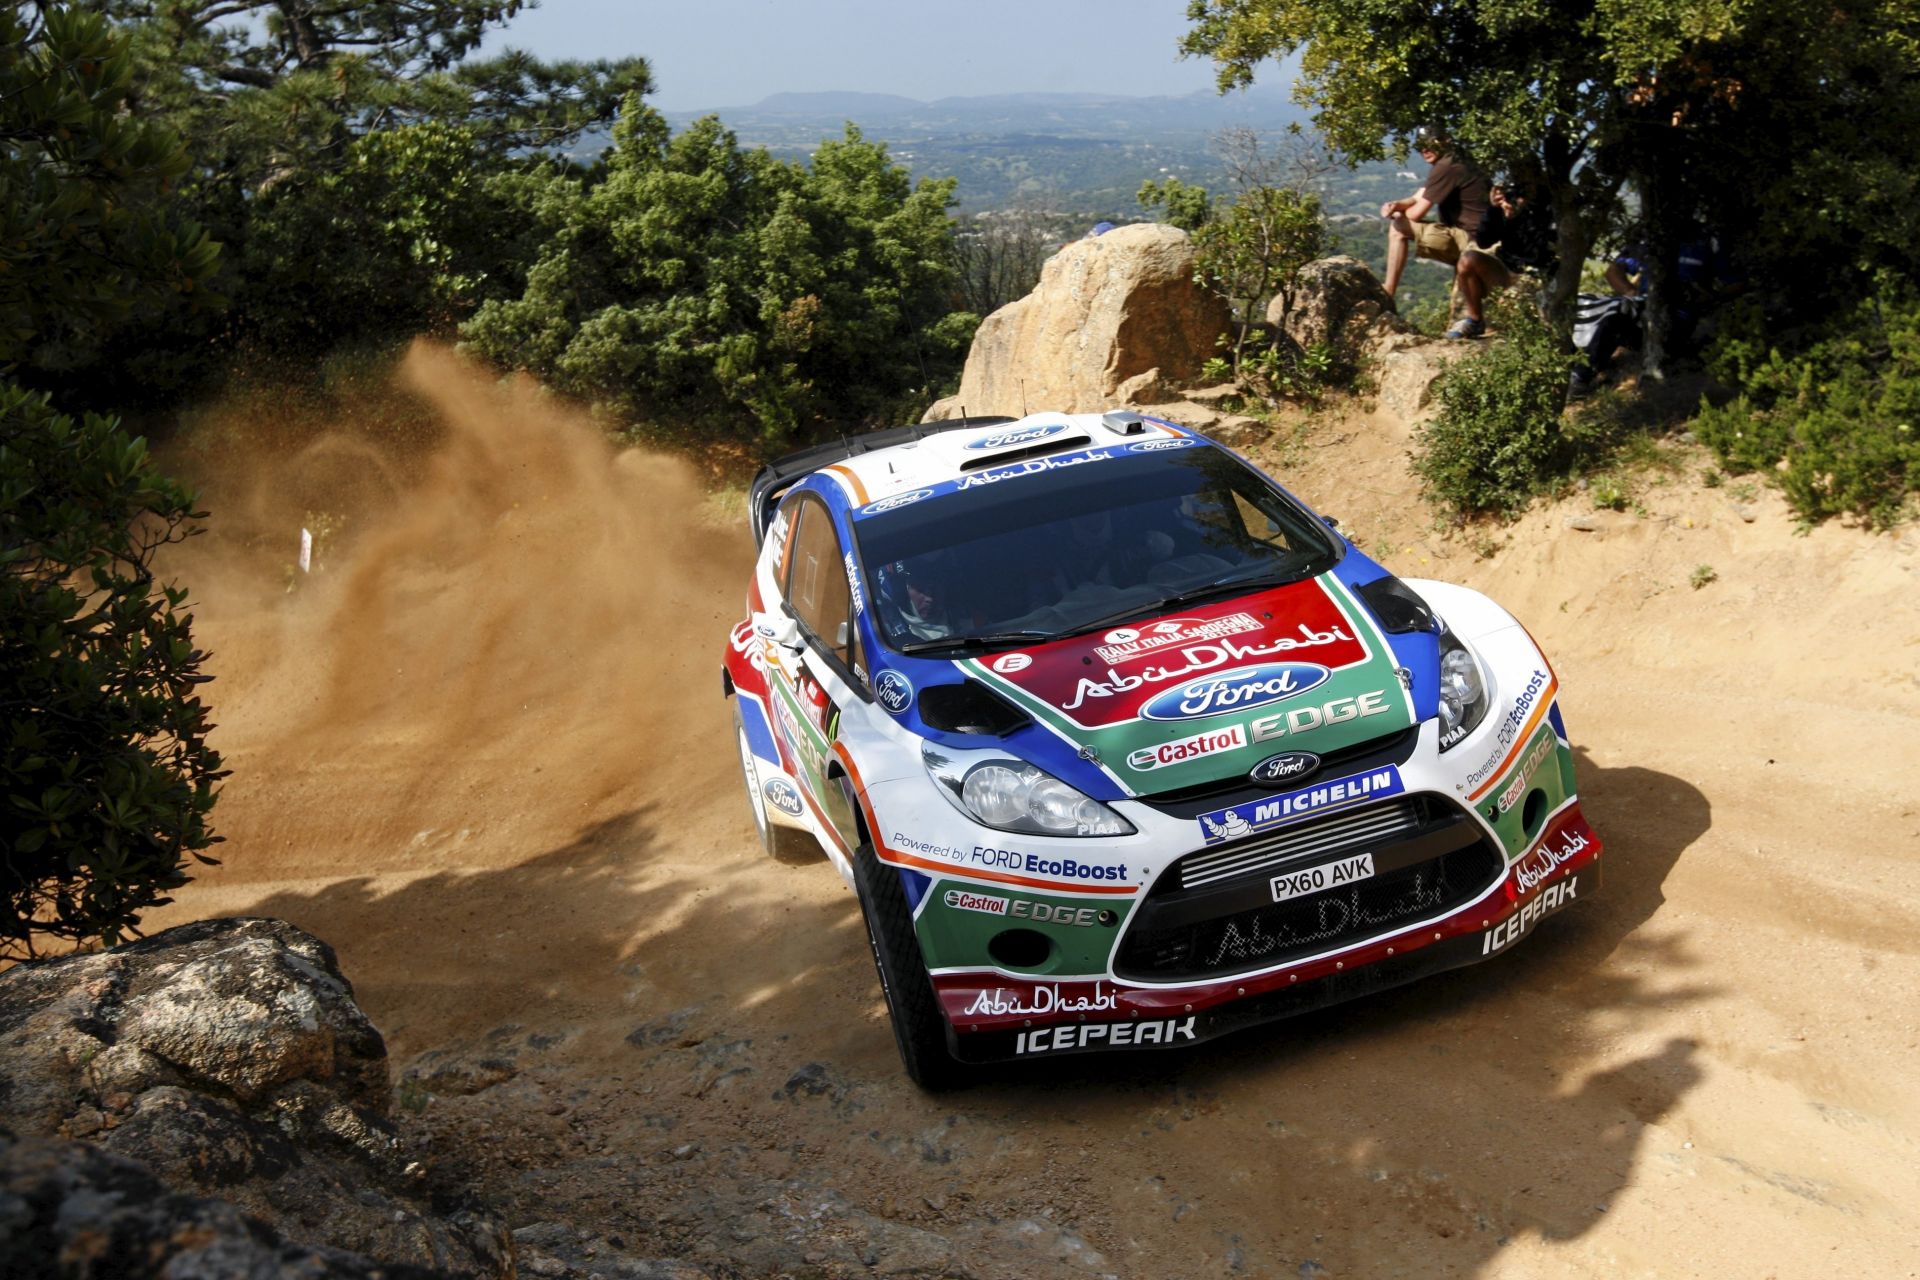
(993, 1017)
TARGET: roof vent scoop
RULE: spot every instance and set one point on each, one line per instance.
(1125, 421)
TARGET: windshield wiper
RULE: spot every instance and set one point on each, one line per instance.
(982, 640)
(1180, 599)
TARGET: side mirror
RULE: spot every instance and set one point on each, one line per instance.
(778, 628)
(840, 635)
(1331, 522)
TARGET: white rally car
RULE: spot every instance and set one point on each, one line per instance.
(1121, 746)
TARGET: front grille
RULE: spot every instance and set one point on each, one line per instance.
(1212, 913)
(1368, 828)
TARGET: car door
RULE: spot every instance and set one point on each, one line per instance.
(810, 687)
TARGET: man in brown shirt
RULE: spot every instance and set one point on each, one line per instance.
(1457, 194)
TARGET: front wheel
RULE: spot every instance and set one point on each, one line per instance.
(918, 1027)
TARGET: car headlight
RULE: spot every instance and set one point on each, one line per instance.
(1012, 795)
(1463, 691)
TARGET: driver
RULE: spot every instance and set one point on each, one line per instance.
(923, 598)
(1093, 555)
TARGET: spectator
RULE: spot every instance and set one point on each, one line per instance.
(1605, 324)
(1457, 194)
(1516, 235)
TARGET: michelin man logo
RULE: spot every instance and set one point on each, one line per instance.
(1232, 827)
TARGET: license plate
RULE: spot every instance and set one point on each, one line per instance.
(1328, 875)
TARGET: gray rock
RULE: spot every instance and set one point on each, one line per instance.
(68, 1209)
(238, 1007)
(555, 1249)
(228, 1057)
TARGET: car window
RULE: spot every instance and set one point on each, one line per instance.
(817, 589)
(1057, 552)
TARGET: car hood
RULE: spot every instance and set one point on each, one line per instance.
(1207, 693)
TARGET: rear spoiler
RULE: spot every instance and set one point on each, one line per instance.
(784, 472)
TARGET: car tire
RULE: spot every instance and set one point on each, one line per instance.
(919, 1029)
(782, 844)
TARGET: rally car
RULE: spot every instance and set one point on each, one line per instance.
(1122, 746)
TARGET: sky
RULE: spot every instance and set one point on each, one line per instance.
(707, 54)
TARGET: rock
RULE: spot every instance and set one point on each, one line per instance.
(1141, 388)
(69, 1209)
(457, 1075)
(1584, 524)
(228, 1057)
(1337, 301)
(1407, 366)
(1214, 396)
(1235, 432)
(555, 1249)
(1107, 313)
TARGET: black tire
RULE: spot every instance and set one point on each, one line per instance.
(919, 1029)
(782, 844)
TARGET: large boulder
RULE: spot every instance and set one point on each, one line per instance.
(229, 1057)
(1114, 320)
(1339, 302)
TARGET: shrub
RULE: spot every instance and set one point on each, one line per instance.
(1835, 423)
(106, 779)
(1497, 436)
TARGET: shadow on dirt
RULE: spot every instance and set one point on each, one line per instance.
(1427, 1127)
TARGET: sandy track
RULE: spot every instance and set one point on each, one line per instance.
(484, 754)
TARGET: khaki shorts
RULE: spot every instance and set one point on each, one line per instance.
(1442, 244)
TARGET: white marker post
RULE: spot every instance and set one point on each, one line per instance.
(306, 550)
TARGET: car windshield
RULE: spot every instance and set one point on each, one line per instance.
(1050, 554)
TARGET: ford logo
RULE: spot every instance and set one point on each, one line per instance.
(1288, 766)
(1235, 690)
(1155, 446)
(1025, 435)
(896, 501)
(893, 690)
(782, 795)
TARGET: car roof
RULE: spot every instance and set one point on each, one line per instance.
(870, 478)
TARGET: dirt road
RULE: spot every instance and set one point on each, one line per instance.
(483, 752)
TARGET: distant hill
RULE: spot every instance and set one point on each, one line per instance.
(1070, 151)
(1108, 115)
(1081, 156)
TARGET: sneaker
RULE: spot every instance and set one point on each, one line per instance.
(1467, 327)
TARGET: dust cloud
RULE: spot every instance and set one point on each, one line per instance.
(509, 623)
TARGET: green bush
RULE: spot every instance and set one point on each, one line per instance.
(106, 779)
(1497, 437)
(1840, 414)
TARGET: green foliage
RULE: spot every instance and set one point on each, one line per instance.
(1183, 205)
(1252, 250)
(1791, 130)
(1702, 574)
(408, 234)
(284, 106)
(105, 773)
(701, 284)
(86, 240)
(1833, 424)
(1498, 437)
